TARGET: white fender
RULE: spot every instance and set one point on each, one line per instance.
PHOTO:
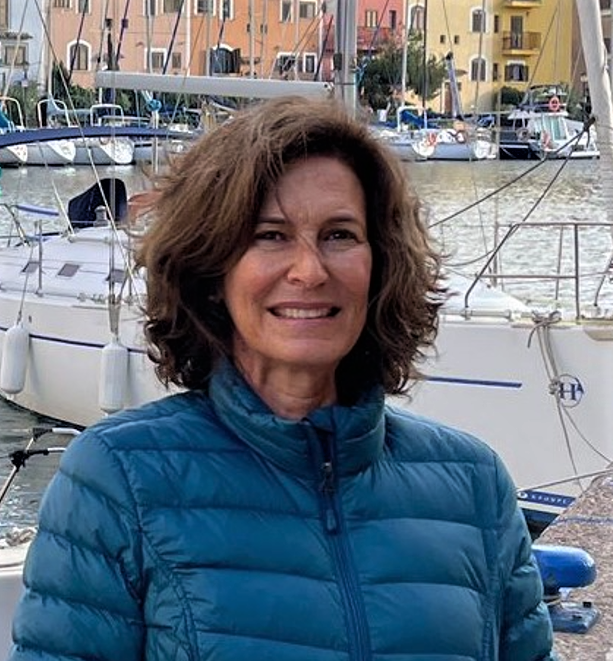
(14, 359)
(113, 384)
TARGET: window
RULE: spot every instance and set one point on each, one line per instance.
(78, 57)
(477, 69)
(157, 59)
(205, 7)
(150, 8)
(62, 4)
(308, 9)
(417, 22)
(172, 6)
(309, 62)
(496, 23)
(478, 20)
(517, 32)
(371, 18)
(30, 267)
(116, 276)
(68, 270)
(285, 63)
(516, 72)
(456, 39)
(175, 61)
(83, 7)
(15, 55)
(226, 9)
(495, 72)
(225, 60)
(393, 14)
(442, 39)
(286, 11)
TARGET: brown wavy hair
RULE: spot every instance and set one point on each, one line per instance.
(207, 205)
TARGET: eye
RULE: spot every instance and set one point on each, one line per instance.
(268, 235)
(341, 235)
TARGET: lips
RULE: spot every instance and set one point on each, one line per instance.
(304, 313)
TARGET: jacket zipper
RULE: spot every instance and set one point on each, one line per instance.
(334, 526)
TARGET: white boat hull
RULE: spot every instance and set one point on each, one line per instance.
(104, 151)
(53, 152)
(14, 155)
(64, 360)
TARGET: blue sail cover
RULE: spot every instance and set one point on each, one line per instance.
(110, 192)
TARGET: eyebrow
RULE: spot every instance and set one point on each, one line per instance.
(271, 220)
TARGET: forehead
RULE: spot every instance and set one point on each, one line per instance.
(323, 179)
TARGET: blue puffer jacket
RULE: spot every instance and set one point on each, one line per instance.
(204, 528)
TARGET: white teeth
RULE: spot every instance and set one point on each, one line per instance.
(300, 313)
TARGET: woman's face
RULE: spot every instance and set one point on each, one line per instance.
(298, 296)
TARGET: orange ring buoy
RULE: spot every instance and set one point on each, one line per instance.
(554, 104)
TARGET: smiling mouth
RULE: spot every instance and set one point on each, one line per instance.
(302, 313)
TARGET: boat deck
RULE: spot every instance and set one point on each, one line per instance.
(588, 524)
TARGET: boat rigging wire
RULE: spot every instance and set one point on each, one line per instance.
(105, 19)
(565, 480)
(542, 330)
(122, 31)
(514, 181)
(324, 42)
(75, 48)
(173, 36)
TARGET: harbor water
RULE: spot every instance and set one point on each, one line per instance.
(444, 188)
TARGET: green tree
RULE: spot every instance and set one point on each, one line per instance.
(510, 96)
(72, 95)
(381, 75)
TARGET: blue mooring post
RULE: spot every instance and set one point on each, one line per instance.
(564, 568)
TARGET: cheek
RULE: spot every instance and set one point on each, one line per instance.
(357, 276)
(246, 283)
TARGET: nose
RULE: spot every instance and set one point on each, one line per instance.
(306, 265)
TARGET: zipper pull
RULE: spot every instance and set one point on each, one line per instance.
(327, 483)
(327, 488)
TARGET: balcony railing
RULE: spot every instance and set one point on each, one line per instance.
(521, 41)
(523, 3)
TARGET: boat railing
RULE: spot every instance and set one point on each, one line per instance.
(31, 222)
(491, 274)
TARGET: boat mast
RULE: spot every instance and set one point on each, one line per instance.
(405, 48)
(252, 39)
(595, 55)
(345, 57)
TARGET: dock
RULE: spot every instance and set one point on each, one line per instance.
(588, 524)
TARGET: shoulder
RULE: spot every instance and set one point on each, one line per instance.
(173, 425)
(417, 437)
(457, 458)
(155, 424)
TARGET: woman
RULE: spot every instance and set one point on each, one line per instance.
(277, 509)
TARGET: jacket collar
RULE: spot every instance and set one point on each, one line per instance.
(355, 434)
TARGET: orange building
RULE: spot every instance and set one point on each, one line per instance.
(262, 38)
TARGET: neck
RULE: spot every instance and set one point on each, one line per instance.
(291, 392)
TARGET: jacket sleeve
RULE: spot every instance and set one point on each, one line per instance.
(526, 633)
(81, 574)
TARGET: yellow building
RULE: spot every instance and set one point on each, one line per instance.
(498, 43)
